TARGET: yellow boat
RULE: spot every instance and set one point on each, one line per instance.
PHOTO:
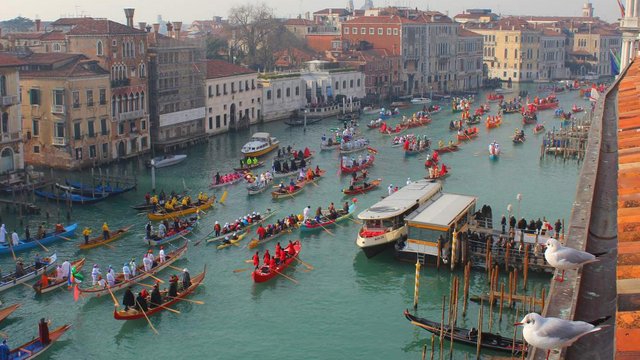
(261, 143)
(99, 241)
(157, 216)
(233, 241)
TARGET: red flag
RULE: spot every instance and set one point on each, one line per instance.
(76, 293)
(621, 8)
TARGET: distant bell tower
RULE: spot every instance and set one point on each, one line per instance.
(350, 6)
(630, 27)
(587, 10)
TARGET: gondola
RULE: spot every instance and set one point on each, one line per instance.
(53, 284)
(494, 123)
(30, 272)
(250, 167)
(352, 169)
(354, 146)
(286, 193)
(266, 215)
(166, 160)
(4, 313)
(85, 189)
(50, 237)
(411, 123)
(362, 189)
(257, 188)
(149, 206)
(121, 283)
(74, 198)
(264, 273)
(36, 347)
(172, 235)
(163, 214)
(99, 240)
(134, 314)
(468, 134)
(311, 224)
(235, 178)
(487, 340)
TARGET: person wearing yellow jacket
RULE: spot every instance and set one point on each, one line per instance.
(105, 231)
(86, 232)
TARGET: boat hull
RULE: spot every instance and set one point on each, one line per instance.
(259, 276)
(261, 152)
(26, 245)
(180, 213)
(373, 245)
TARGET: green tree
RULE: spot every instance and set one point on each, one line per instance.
(18, 24)
(216, 48)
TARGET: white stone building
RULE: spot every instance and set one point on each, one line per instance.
(282, 95)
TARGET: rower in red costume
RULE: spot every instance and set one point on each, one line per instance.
(256, 259)
(266, 257)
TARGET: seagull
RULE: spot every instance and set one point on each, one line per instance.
(565, 258)
(553, 333)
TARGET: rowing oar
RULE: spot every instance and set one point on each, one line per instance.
(146, 317)
(355, 221)
(188, 300)
(285, 276)
(168, 308)
(65, 238)
(42, 246)
(223, 198)
(115, 302)
(310, 267)
(157, 279)
(242, 270)
(174, 268)
(12, 252)
(325, 229)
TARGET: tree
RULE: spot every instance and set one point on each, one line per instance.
(216, 48)
(250, 27)
(18, 24)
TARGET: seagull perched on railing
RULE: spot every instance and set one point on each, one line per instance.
(565, 258)
(553, 333)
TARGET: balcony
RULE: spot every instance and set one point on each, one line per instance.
(9, 100)
(120, 83)
(9, 137)
(130, 115)
(58, 141)
(57, 109)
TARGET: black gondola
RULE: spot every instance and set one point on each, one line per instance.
(487, 340)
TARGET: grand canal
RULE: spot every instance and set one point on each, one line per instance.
(347, 307)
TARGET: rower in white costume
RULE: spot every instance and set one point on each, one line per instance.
(3, 235)
(111, 280)
(126, 272)
(66, 268)
(161, 255)
(133, 267)
(95, 274)
(15, 239)
(148, 264)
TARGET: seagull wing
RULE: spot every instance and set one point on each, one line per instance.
(568, 256)
(565, 331)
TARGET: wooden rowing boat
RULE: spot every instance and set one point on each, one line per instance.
(98, 241)
(264, 273)
(266, 215)
(235, 180)
(157, 216)
(465, 336)
(172, 235)
(285, 193)
(468, 134)
(4, 313)
(446, 149)
(233, 242)
(250, 167)
(30, 272)
(352, 169)
(120, 284)
(35, 347)
(78, 264)
(134, 314)
(311, 224)
(255, 242)
(362, 189)
(69, 230)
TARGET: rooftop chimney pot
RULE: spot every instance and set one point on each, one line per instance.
(156, 28)
(128, 13)
(142, 25)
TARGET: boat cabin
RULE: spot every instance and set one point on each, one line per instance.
(432, 227)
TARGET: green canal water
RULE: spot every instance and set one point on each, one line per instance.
(348, 307)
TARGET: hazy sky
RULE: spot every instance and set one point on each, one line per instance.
(189, 10)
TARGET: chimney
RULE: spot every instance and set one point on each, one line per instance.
(156, 28)
(128, 13)
(37, 25)
(169, 29)
(142, 25)
(177, 25)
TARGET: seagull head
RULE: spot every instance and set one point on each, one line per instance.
(531, 319)
(553, 244)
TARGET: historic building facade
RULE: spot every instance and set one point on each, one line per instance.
(11, 145)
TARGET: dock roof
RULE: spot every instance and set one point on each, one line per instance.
(402, 200)
(442, 211)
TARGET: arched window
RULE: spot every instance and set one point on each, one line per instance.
(133, 49)
(141, 47)
(56, 47)
(5, 122)
(137, 101)
(142, 72)
(3, 85)
(337, 85)
(99, 48)
(131, 107)
(124, 49)
(142, 100)
(113, 105)
(6, 160)
(121, 106)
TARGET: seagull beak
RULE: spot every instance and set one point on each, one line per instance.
(518, 324)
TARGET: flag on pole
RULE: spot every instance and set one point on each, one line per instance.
(615, 62)
(622, 12)
(76, 293)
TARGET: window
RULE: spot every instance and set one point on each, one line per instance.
(58, 129)
(351, 84)
(35, 127)
(278, 93)
(297, 92)
(363, 31)
(288, 91)
(344, 84)
(210, 122)
(142, 71)
(36, 149)
(99, 48)
(346, 30)
(225, 119)
(103, 96)
(76, 99)
(217, 89)
(3, 85)
(210, 91)
(56, 47)
(268, 94)
(224, 89)
(34, 96)
(141, 47)
(58, 97)
(143, 142)
(233, 88)
(240, 86)
(217, 121)
(76, 131)
(143, 124)
(103, 127)
(105, 150)
(380, 31)
(358, 83)
(90, 128)
(5, 122)
(121, 128)
(79, 153)
(395, 31)
(89, 97)
(354, 31)
(92, 152)
(372, 31)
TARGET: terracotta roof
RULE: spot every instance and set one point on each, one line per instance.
(48, 58)
(70, 66)
(467, 33)
(548, 32)
(25, 35)
(91, 26)
(52, 36)
(7, 60)
(219, 69)
(383, 19)
(334, 11)
(628, 267)
(301, 22)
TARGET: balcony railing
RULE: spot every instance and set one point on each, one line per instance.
(119, 83)
(130, 115)
(57, 109)
(9, 100)
(58, 141)
(8, 137)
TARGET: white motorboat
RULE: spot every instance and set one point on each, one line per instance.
(166, 160)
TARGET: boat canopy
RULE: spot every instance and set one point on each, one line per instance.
(261, 136)
(442, 211)
(418, 192)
